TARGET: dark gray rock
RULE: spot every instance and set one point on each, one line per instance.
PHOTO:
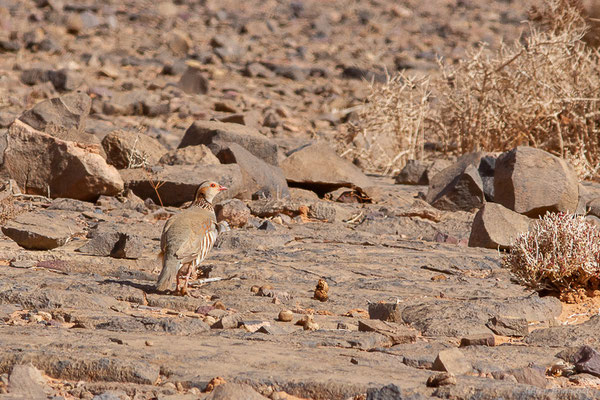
(126, 149)
(216, 135)
(392, 392)
(386, 312)
(114, 244)
(553, 187)
(458, 187)
(258, 176)
(193, 81)
(587, 360)
(413, 173)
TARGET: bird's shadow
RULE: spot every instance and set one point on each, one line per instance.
(148, 289)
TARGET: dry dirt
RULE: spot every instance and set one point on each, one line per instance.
(94, 324)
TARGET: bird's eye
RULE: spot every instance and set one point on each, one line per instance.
(212, 185)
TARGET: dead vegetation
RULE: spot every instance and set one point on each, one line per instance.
(561, 253)
(541, 91)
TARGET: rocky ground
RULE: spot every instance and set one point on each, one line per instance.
(111, 113)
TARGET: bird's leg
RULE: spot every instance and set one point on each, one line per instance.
(187, 279)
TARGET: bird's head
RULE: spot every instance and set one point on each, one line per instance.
(208, 190)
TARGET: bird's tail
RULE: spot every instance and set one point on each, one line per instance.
(169, 272)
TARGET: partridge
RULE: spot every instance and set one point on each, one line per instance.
(188, 237)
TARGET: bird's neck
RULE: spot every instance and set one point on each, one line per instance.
(201, 202)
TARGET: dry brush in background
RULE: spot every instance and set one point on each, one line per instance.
(542, 91)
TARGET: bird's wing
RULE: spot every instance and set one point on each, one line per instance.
(200, 239)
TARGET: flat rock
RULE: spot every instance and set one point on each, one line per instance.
(553, 187)
(260, 179)
(568, 335)
(318, 166)
(214, 134)
(459, 186)
(399, 334)
(508, 326)
(62, 168)
(495, 226)
(178, 183)
(446, 318)
(43, 230)
(127, 149)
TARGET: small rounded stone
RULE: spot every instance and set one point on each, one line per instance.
(286, 315)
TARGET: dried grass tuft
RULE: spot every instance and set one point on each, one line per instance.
(542, 91)
(560, 253)
(391, 125)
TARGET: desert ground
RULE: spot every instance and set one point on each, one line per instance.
(112, 112)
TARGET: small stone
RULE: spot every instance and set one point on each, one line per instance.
(267, 226)
(285, 315)
(508, 326)
(209, 320)
(253, 326)
(478, 340)
(385, 312)
(193, 81)
(321, 290)
(234, 211)
(149, 343)
(254, 289)
(219, 305)
(214, 382)
(441, 379)
(453, 361)
(227, 322)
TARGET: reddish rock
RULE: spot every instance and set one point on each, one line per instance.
(42, 164)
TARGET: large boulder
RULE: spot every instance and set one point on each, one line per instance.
(62, 117)
(532, 182)
(260, 178)
(177, 184)
(495, 226)
(216, 135)
(43, 164)
(459, 186)
(318, 167)
(127, 149)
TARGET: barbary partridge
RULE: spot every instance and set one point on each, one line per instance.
(188, 237)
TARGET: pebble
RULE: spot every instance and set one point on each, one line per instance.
(285, 315)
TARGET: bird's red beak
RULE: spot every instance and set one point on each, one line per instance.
(221, 188)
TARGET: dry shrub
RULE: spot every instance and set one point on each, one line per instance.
(542, 91)
(560, 253)
(391, 125)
